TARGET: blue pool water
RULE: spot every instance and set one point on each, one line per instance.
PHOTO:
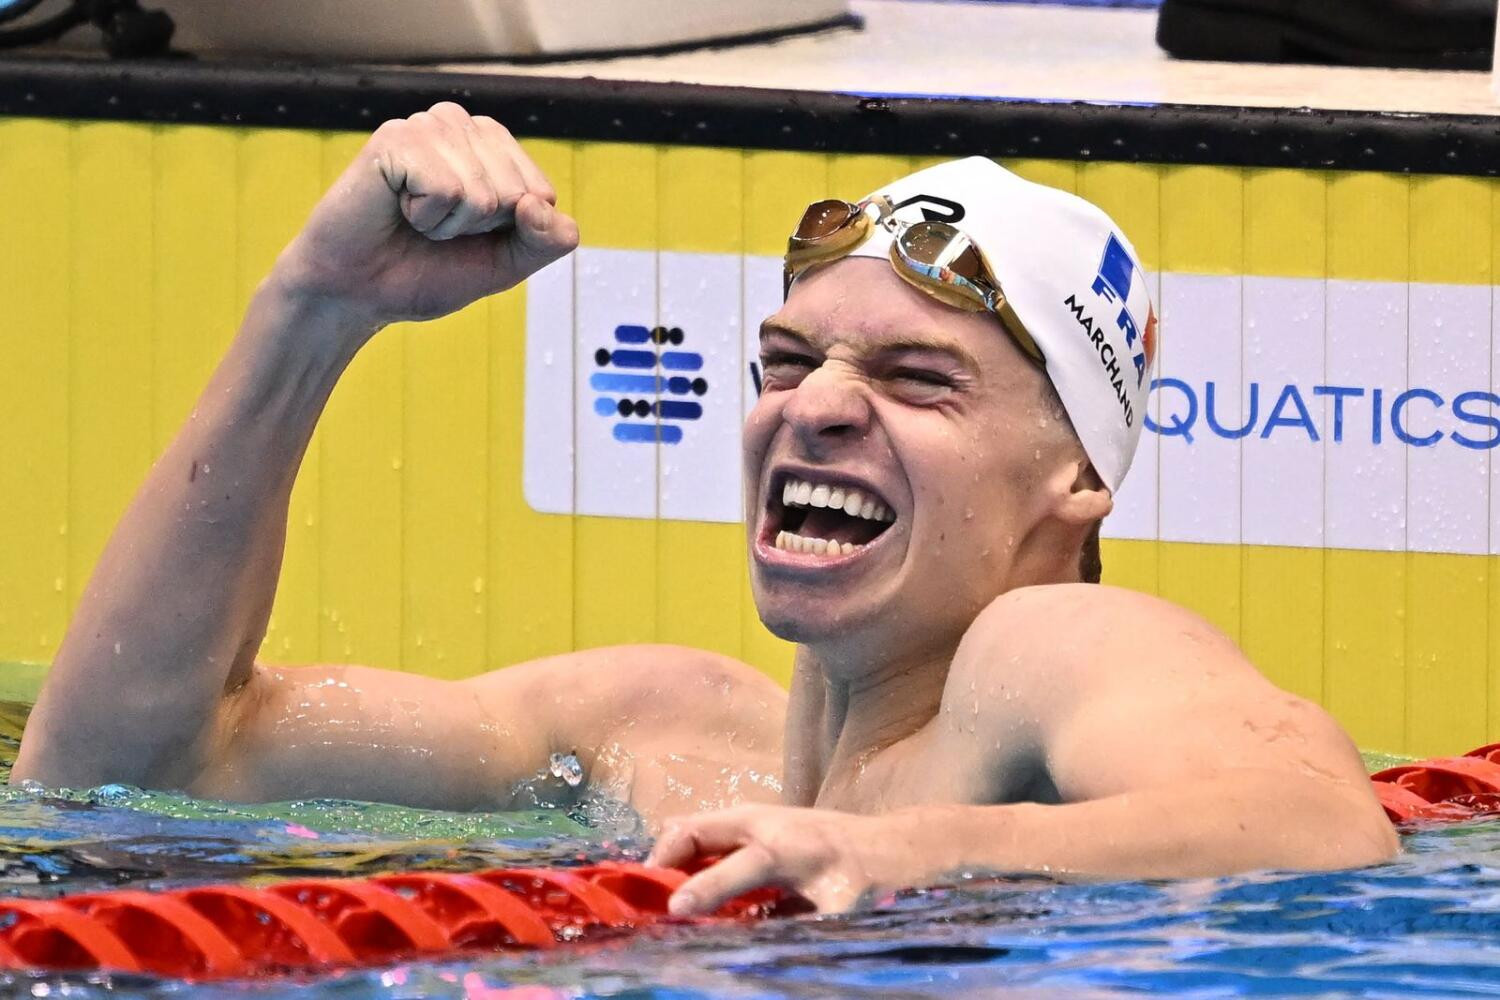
(1426, 926)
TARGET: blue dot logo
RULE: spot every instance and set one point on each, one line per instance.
(646, 386)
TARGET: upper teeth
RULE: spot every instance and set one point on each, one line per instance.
(800, 493)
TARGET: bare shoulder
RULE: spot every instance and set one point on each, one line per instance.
(1086, 629)
(1123, 690)
(1092, 610)
(1038, 656)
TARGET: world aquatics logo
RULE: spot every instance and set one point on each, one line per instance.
(646, 389)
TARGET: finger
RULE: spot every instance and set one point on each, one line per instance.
(498, 136)
(499, 153)
(427, 188)
(709, 833)
(674, 848)
(447, 128)
(542, 235)
(509, 172)
(748, 868)
(449, 113)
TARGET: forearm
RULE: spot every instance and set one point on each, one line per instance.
(179, 599)
(1241, 821)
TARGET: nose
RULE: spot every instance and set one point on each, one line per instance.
(831, 405)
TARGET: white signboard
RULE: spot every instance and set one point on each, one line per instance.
(1284, 411)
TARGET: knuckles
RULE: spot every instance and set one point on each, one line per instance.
(447, 193)
(461, 176)
(447, 109)
(486, 123)
(486, 205)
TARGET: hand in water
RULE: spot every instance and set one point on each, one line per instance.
(836, 861)
(436, 211)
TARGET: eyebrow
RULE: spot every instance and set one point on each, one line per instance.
(908, 342)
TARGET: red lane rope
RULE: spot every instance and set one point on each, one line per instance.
(1443, 789)
(45, 935)
(228, 931)
(231, 931)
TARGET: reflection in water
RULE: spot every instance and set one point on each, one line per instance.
(1422, 927)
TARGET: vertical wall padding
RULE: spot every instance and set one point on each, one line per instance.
(1202, 245)
(700, 212)
(1448, 348)
(36, 282)
(280, 178)
(1281, 590)
(361, 466)
(531, 578)
(1365, 589)
(616, 561)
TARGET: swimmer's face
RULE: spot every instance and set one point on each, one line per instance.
(938, 423)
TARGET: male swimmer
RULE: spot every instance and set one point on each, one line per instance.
(925, 472)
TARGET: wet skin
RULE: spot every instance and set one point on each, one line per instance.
(957, 702)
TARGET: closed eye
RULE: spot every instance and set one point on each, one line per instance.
(785, 369)
(922, 384)
(923, 375)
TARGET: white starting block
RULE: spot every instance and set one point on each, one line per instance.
(405, 30)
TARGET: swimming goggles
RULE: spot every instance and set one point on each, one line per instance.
(934, 257)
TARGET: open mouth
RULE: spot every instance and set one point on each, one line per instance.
(826, 519)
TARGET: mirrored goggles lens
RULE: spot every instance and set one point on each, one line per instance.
(944, 262)
(939, 245)
(829, 229)
(824, 218)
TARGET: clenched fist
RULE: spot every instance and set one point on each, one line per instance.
(436, 211)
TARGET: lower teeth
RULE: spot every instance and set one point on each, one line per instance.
(814, 546)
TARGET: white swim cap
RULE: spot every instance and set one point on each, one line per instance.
(1072, 278)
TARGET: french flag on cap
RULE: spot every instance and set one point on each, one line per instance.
(1120, 279)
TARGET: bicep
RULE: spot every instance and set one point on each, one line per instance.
(1180, 726)
(369, 734)
(356, 732)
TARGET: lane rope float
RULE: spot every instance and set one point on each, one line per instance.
(1442, 789)
(224, 931)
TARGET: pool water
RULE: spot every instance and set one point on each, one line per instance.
(1426, 926)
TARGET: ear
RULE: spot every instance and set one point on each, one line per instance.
(1078, 495)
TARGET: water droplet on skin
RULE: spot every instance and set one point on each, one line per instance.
(566, 767)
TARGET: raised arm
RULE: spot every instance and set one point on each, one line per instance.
(153, 678)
